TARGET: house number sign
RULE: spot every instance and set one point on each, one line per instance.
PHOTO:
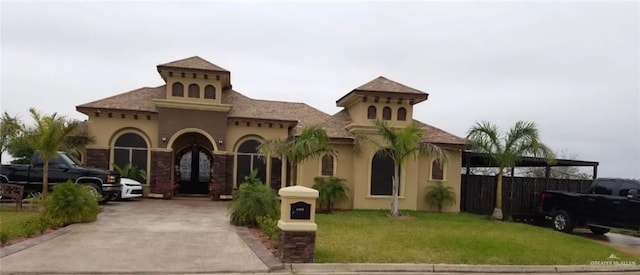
(300, 211)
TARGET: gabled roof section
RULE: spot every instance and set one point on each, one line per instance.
(193, 63)
(140, 100)
(384, 88)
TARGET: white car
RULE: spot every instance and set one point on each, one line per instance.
(130, 189)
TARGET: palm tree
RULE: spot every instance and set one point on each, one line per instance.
(331, 190)
(312, 141)
(505, 150)
(400, 144)
(10, 127)
(48, 137)
(439, 195)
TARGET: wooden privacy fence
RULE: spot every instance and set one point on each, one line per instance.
(520, 195)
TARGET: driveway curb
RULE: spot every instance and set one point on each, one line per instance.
(259, 249)
(446, 268)
(14, 248)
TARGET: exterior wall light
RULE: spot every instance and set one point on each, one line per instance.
(220, 141)
(164, 139)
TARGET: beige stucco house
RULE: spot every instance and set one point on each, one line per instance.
(198, 132)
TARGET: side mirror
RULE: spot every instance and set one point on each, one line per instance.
(633, 194)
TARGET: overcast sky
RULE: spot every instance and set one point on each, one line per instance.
(571, 67)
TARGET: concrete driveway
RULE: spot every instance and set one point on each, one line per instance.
(625, 243)
(144, 236)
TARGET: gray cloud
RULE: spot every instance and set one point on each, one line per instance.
(572, 67)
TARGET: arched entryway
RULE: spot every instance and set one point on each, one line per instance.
(193, 164)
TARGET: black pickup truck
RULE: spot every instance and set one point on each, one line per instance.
(61, 169)
(609, 203)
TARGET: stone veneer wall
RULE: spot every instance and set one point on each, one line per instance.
(98, 158)
(219, 176)
(160, 167)
(297, 246)
(228, 187)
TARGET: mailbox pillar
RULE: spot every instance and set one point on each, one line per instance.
(297, 227)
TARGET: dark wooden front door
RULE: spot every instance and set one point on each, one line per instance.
(194, 170)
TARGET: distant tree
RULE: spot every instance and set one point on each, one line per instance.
(399, 145)
(557, 172)
(48, 137)
(10, 127)
(505, 150)
(312, 141)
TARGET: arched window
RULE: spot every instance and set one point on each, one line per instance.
(437, 171)
(382, 170)
(386, 113)
(194, 91)
(327, 165)
(177, 89)
(402, 114)
(248, 159)
(130, 148)
(210, 92)
(371, 112)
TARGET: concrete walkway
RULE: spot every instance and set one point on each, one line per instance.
(144, 236)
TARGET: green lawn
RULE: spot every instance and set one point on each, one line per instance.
(13, 222)
(363, 236)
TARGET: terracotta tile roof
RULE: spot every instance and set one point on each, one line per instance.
(436, 135)
(136, 100)
(194, 62)
(382, 84)
(382, 87)
(245, 107)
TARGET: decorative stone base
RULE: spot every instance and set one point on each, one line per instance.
(297, 246)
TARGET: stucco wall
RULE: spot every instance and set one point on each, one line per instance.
(358, 112)
(105, 128)
(173, 120)
(452, 178)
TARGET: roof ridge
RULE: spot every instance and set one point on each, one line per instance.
(120, 94)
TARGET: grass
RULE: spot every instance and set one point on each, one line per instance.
(368, 236)
(14, 222)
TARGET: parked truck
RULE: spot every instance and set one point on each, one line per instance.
(62, 168)
(609, 203)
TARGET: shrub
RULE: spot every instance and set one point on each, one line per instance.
(253, 199)
(439, 195)
(269, 226)
(331, 190)
(70, 203)
(4, 236)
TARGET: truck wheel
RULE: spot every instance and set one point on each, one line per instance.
(94, 191)
(562, 221)
(598, 230)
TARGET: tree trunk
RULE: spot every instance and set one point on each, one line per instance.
(45, 178)
(394, 202)
(497, 211)
(294, 174)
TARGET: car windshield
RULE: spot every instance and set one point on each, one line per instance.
(70, 159)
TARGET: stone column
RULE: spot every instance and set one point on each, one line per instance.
(219, 175)
(297, 227)
(161, 169)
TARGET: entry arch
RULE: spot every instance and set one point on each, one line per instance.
(175, 136)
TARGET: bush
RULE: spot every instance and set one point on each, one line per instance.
(70, 203)
(439, 195)
(253, 199)
(269, 226)
(331, 190)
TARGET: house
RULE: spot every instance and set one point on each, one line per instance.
(200, 133)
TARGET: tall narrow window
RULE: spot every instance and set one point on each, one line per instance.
(210, 92)
(327, 165)
(386, 113)
(382, 170)
(402, 114)
(248, 159)
(194, 91)
(437, 171)
(130, 148)
(371, 112)
(177, 89)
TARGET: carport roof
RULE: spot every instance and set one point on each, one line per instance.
(475, 159)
